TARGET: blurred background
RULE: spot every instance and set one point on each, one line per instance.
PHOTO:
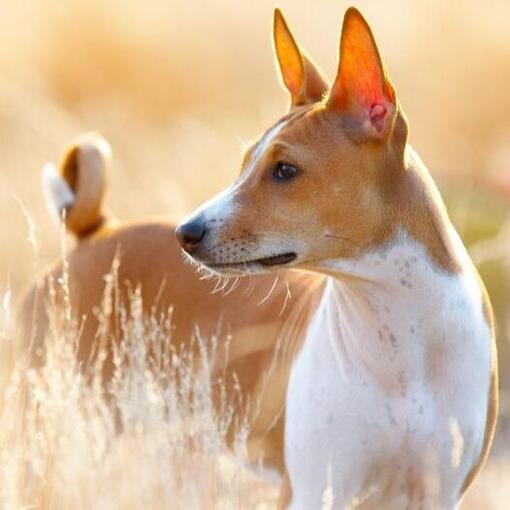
(178, 86)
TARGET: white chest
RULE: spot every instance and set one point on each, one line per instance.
(387, 399)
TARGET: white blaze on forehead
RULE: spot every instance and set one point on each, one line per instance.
(222, 205)
(263, 144)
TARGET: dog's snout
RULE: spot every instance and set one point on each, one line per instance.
(191, 233)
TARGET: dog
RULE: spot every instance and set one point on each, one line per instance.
(391, 400)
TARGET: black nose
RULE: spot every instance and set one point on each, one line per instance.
(191, 233)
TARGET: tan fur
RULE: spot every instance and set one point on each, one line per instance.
(302, 78)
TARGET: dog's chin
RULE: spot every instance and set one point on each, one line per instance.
(250, 266)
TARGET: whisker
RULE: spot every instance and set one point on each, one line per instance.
(222, 284)
(225, 285)
(236, 280)
(251, 286)
(288, 296)
(233, 281)
(217, 284)
(262, 301)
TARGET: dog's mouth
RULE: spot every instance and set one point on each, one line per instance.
(278, 260)
(272, 261)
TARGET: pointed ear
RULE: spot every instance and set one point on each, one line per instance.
(299, 75)
(362, 88)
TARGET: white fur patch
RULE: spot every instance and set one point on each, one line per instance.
(391, 359)
(57, 192)
(263, 145)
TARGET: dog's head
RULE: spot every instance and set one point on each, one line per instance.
(317, 184)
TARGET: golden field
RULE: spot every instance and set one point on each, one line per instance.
(177, 87)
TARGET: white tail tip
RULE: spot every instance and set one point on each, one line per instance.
(59, 196)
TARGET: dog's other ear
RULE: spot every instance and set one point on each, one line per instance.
(299, 75)
(362, 90)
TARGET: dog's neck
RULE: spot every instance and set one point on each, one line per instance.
(383, 312)
(409, 262)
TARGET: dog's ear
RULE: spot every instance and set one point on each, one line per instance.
(362, 90)
(299, 75)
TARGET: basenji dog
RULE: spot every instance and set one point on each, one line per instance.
(391, 401)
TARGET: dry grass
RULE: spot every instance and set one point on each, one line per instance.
(175, 86)
(150, 438)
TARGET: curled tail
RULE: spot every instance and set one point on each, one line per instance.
(77, 186)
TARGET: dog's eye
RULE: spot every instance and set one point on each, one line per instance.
(284, 171)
